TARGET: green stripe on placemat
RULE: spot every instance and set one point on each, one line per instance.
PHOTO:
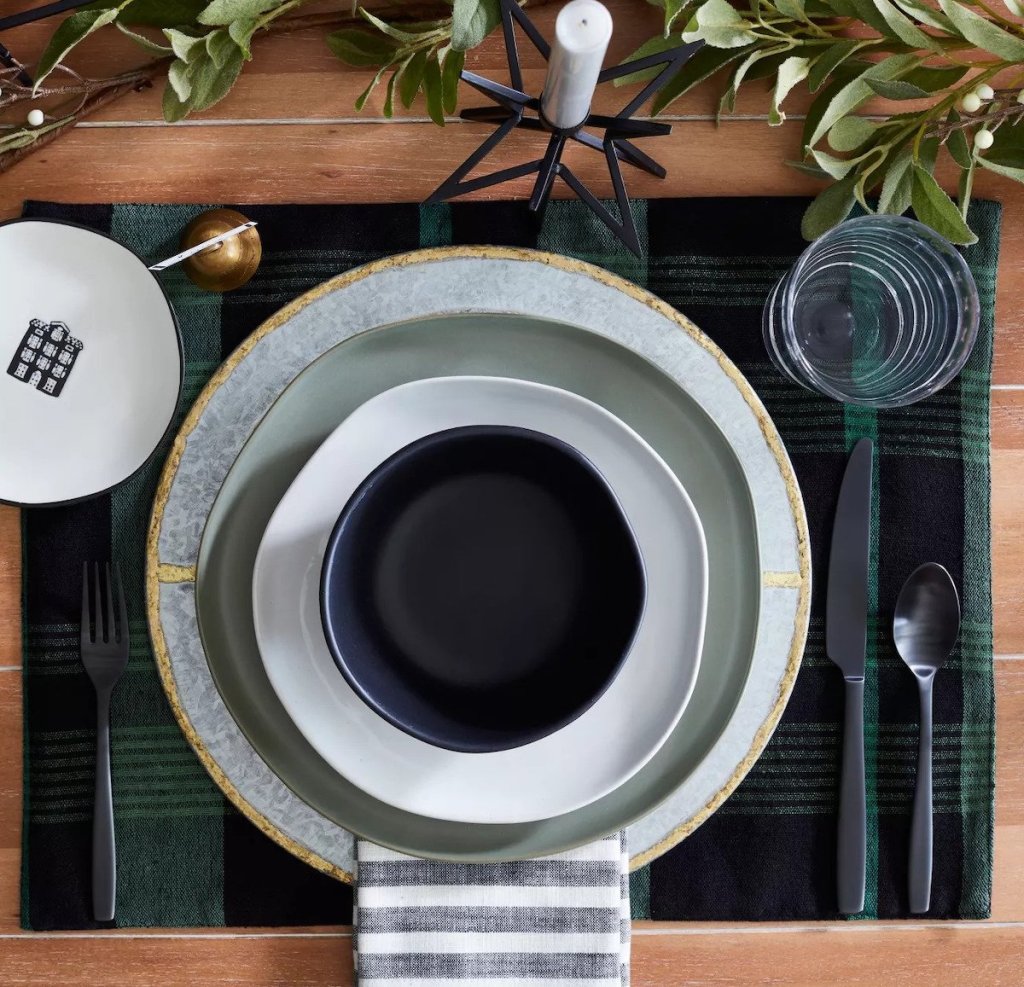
(187, 858)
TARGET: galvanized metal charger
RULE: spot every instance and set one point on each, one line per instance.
(423, 285)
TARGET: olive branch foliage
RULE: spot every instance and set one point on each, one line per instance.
(950, 73)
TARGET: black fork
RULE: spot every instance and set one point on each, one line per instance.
(104, 648)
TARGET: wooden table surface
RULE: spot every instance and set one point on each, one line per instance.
(288, 133)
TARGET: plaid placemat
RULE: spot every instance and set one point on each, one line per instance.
(187, 858)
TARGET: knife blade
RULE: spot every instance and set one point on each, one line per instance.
(846, 626)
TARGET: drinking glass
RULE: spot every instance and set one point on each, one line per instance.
(880, 311)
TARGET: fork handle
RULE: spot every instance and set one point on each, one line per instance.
(104, 857)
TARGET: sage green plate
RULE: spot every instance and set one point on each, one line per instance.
(756, 618)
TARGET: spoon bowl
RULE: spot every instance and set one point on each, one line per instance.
(927, 619)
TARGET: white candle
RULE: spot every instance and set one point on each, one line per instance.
(583, 29)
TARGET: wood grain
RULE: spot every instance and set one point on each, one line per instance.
(288, 133)
(937, 956)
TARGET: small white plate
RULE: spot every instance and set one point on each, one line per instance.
(90, 363)
(563, 771)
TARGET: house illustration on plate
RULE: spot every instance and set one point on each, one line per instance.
(46, 356)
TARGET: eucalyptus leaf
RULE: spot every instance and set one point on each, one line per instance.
(842, 8)
(185, 46)
(982, 32)
(872, 16)
(220, 13)
(928, 154)
(241, 33)
(173, 108)
(965, 187)
(388, 109)
(412, 78)
(728, 100)
(927, 15)
(179, 81)
(72, 31)
(896, 89)
(388, 29)
(791, 8)
(904, 28)
(857, 92)
(450, 70)
(704, 64)
(896, 187)
(433, 89)
(211, 82)
(362, 48)
(1007, 171)
(850, 133)
(653, 46)
(829, 60)
(791, 71)
(142, 41)
(829, 209)
(832, 166)
(673, 8)
(160, 13)
(937, 210)
(1015, 7)
(815, 171)
(220, 46)
(374, 82)
(472, 21)
(932, 78)
(767, 67)
(956, 143)
(720, 25)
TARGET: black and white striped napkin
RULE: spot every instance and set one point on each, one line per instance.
(560, 919)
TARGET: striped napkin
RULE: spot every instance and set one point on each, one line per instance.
(560, 919)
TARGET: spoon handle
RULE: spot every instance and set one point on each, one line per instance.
(852, 805)
(920, 883)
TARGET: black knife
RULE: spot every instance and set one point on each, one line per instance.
(846, 633)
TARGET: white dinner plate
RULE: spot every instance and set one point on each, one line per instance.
(573, 766)
(90, 363)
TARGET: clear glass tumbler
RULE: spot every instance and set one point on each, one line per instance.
(880, 311)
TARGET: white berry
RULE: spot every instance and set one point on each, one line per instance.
(984, 91)
(970, 103)
(1020, 96)
(35, 118)
(983, 139)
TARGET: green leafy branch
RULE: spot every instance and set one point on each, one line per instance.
(847, 52)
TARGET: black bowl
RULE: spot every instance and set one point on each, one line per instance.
(482, 588)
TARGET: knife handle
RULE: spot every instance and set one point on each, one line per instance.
(852, 805)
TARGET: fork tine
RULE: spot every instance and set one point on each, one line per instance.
(86, 632)
(109, 587)
(122, 608)
(97, 604)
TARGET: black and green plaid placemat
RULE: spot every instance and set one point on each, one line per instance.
(187, 858)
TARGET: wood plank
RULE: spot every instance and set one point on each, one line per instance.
(852, 953)
(10, 797)
(1008, 520)
(10, 587)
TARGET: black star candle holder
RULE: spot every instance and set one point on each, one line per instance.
(515, 110)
